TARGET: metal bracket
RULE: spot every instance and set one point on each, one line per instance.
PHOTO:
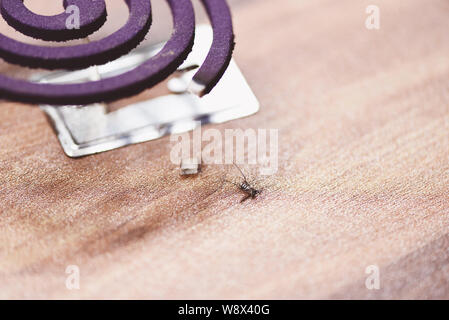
(92, 129)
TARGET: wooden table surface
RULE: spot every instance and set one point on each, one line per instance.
(363, 178)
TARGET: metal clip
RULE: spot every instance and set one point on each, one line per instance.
(93, 129)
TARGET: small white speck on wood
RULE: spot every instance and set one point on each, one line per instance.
(190, 167)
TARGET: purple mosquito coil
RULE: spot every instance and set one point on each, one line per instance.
(92, 16)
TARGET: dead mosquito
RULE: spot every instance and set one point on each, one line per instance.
(246, 187)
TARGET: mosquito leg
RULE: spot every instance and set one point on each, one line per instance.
(240, 171)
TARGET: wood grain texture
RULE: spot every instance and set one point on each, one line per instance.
(363, 177)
